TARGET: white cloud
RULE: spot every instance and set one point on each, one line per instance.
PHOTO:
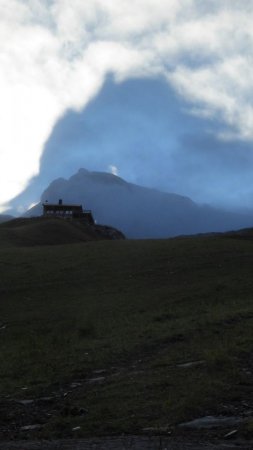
(113, 169)
(55, 55)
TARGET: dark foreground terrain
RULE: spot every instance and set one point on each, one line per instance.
(149, 343)
(124, 443)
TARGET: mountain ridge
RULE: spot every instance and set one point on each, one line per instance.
(5, 218)
(138, 211)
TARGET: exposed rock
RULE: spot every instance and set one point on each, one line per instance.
(75, 385)
(190, 364)
(231, 434)
(96, 380)
(213, 422)
(31, 427)
(107, 232)
(25, 402)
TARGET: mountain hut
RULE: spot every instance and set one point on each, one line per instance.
(67, 211)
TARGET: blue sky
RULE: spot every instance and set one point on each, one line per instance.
(158, 91)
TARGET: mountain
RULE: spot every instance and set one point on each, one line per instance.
(5, 218)
(137, 211)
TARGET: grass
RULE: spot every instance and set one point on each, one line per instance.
(134, 310)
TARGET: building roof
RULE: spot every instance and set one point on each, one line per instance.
(61, 206)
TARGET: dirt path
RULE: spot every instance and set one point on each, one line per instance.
(124, 443)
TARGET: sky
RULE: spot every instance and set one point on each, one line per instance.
(156, 91)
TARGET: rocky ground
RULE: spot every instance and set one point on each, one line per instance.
(24, 423)
(126, 443)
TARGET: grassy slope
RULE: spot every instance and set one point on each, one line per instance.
(49, 231)
(136, 309)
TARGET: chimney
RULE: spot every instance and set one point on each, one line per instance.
(60, 201)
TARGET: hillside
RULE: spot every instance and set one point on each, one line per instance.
(52, 231)
(135, 337)
(5, 218)
(137, 211)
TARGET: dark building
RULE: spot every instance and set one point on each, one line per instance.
(67, 211)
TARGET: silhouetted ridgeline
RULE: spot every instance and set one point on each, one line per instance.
(137, 211)
(5, 218)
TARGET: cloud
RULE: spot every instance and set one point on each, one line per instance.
(55, 55)
(113, 169)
